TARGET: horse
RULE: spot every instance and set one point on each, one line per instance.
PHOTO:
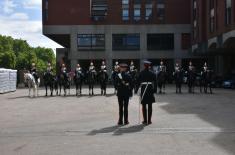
(91, 78)
(29, 79)
(78, 80)
(103, 79)
(161, 80)
(64, 81)
(191, 78)
(48, 82)
(206, 77)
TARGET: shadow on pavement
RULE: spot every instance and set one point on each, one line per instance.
(117, 130)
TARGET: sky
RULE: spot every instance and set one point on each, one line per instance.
(22, 19)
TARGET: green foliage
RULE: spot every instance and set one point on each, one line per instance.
(17, 54)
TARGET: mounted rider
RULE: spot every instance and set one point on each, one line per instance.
(103, 78)
(178, 76)
(161, 77)
(91, 78)
(78, 79)
(114, 75)
(34, 72)
(191, 77)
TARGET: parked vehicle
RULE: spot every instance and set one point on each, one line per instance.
(229, 83)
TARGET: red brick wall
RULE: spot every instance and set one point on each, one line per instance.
(77, 12)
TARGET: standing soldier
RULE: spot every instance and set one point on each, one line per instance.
(161, 77)
(133, 73)
(206, 75)
(191, 77)
(103, 78)
(178, 76)
(78, 79)
(123, 93)
(103, 66)
(34, 72)
(91, 78)
(114, 75)
(147, 82)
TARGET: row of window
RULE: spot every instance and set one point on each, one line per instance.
(148, 10)
(131, 41)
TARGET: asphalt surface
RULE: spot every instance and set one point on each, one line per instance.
(185, 124)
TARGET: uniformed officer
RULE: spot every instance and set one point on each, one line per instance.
(161, 77)
(123, 93)
(49, 67)
(114, 75)
(206, 75)
(78, 78)
(103, 79)
(178, 76)
(34, 72)
(91, 78)
(191, 77)
(103, 67)
(147, 82)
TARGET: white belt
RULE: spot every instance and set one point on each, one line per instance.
(145, 83)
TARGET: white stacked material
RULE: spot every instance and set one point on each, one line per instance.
(12, 80)
(8, 79)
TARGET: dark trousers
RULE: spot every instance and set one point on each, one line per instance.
(147, 115)
(123, 109)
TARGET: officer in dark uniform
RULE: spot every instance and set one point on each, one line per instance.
(34, 72)
(123, 93)
(191, 77)
(147, 82)
(178, 76)
(103, 66)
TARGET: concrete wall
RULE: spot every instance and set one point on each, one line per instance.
(74, 54)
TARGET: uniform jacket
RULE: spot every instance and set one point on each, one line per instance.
(124, 85)
(147, 76)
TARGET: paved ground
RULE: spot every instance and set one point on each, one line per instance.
(185, 124)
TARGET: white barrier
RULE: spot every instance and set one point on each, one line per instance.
(8, 80)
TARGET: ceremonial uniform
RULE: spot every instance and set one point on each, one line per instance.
(191, 77)
(34, 72)
(78, 79)
(206, 75)
(178, 76)
(114, 76)
(103, 79)
(147, 82)
(161, 78)
(123, 94)
(91, 78)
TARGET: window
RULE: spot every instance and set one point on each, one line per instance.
(228, 12)
(125, 10)
(99, 9)
(185, 41)
(126, 41)
(212, 16)
(160, 41)
(161, 10)
(91, 41)
(137, 14)
(148, 11)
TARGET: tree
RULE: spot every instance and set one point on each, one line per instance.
(7, 59)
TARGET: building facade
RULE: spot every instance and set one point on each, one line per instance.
(213, 33)
(119, 30)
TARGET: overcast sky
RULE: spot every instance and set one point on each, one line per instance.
(23, 19)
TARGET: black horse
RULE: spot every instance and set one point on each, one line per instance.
(206, 78)
(64, 81)
(78, 80)
(161, 81)
(191, 79)
(103, 79)
(91, 79)
(48, 81)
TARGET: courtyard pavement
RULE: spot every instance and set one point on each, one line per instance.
(186, 124)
